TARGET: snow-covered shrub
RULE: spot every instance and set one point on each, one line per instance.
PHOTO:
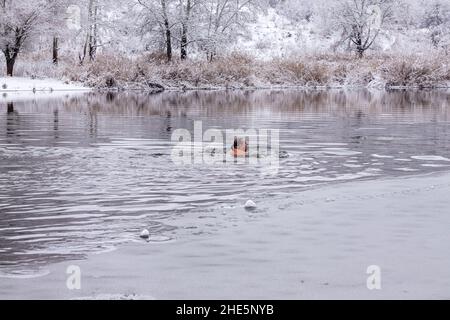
(234, 70)
(107, 70)
(238, 70)
(303, 71)
(415, 71)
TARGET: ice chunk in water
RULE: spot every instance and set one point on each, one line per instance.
(145, 234)
(250, 205)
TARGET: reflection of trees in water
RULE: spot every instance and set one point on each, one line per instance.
(9, 107)
(280, 103)
(218, 103)
(93, 120)
(235, 109)
(12, 120)
(56, 123)
(111, 96)
(167, 122)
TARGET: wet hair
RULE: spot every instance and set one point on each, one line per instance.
(239, 141)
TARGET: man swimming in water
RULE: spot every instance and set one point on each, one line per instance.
(239, 147)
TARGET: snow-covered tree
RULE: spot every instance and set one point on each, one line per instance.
(223, 20)
(362, 20)
(20, 20)
(437, 21)
(56, 27)
(158, 14)
(186, 17)
(91, 31)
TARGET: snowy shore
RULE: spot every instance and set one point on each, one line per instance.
(314, 244)
(239, 71)
(21, 88)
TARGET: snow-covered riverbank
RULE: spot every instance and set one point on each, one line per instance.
(240, 71)
(21, 88)
(314, 244)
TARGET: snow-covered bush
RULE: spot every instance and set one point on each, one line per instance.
(304, 72)
(415, 71)
(241, 71)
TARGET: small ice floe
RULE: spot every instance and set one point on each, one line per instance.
(250, 205)
(430, 158)
(381, 156)
(145, 234)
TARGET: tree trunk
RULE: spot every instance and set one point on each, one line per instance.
(183, 43)
(360, 51)
(168, 42)
(92, 49)
(90, 45)
(359, 47)
(93, 11)
(82, 56)
(167, 31)
(55, 50)
(184, 30)
(10, 66)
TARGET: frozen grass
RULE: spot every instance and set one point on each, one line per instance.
(243, 71)
(416, 71)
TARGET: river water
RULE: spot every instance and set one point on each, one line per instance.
(81, 174)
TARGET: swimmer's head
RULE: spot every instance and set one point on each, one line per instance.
(240, 143)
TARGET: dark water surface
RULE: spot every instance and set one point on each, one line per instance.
(81, 174)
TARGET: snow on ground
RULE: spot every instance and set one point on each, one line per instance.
(27, 84)
(273, 35)
(27, 88)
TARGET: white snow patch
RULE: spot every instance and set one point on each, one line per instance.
(27, 88)
(275, 36)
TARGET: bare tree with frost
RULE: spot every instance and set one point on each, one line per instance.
(223, 19)
(159, 14)
(20, 21)
(437, 21)
(362, 21)
(186, 16)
